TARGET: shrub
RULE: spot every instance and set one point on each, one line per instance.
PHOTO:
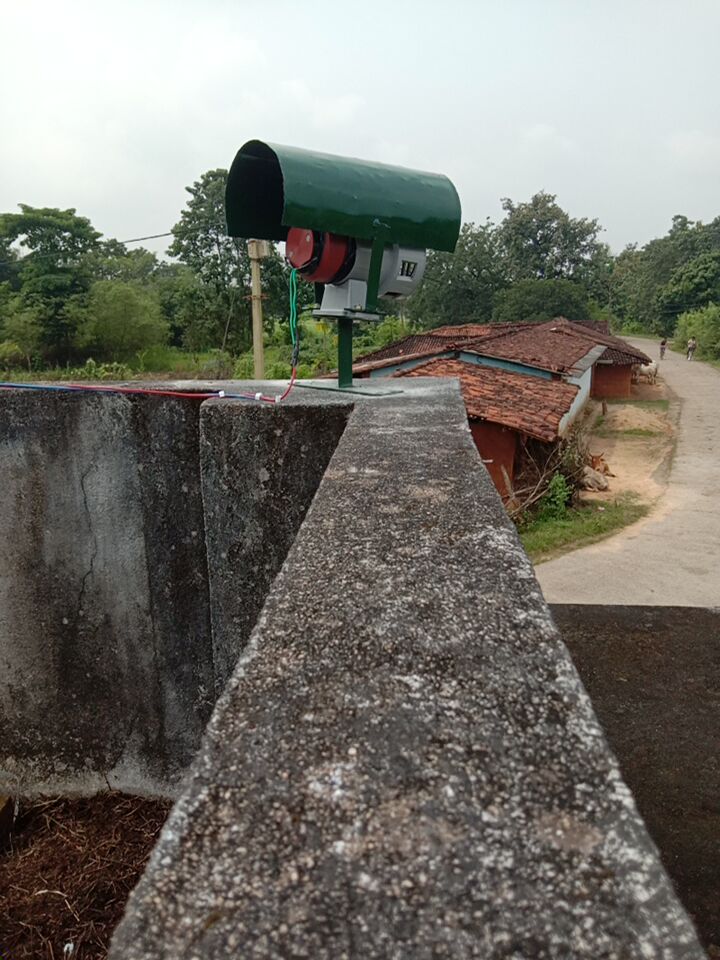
(704, 324)
(554, 503)
(245, 368)
(218, 366)
(11, 356)
(121, 319)
(98, 371)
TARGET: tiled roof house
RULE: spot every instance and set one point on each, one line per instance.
(518, 380)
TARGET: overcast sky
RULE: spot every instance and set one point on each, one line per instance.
(614, 105)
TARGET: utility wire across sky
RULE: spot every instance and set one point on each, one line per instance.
(53, 256)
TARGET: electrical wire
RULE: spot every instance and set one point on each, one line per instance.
(184, 394)
(138, 391)
(54, 256)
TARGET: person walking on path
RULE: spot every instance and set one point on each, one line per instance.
(691, 347)
(663, 347)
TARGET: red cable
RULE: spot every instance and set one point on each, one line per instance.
(289, 386)
(153, 392)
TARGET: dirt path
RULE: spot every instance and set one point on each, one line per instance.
(673, 556)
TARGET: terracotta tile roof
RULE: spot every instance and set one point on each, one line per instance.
(416, 343)
(525, 403)
(547, 346)
(619, 350)
(559, 345)
(429, 341)
(465, 330)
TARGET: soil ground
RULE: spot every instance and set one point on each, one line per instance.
(636, 440)
(67, 871)
(672, 557)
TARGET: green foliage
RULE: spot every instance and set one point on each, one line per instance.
(11, 355)
(461, 287)
(537, 300)
(99, 371)
(536, 243)
(704, 325)
(542, 242)
(214, 311)
(694, 285)
(120, 320)
(23, 329)
(577, 526)
(245, 367)
(65, 291)
(51, 269)
(220, 263)
(557, 496)
(217, 366)
(648, 286)
(90, 370)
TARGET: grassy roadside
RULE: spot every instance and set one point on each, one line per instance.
(579, 526)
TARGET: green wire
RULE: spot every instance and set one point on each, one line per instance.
(292, 283)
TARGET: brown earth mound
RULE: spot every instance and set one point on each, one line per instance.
(67, 871)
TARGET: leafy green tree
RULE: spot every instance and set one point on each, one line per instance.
(51, 268)
(694, 285)
(537, 300)
(8, 261)
(113, 261)
(222, 266)
(639, 275)
(542, 242)
(220, 262)
(461, 287)
(10, 355)
(704, 325)
(21, 327)
(120, 320)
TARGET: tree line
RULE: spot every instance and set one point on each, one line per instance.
(67, 293)
(540, 262)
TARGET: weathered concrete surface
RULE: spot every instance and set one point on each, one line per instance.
(104, 610)
(672, 558)
(109, 667)
(654, 678)
(270, 461)
(405, 764)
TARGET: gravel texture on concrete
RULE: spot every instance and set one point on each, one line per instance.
(405, 763)
(270, 461)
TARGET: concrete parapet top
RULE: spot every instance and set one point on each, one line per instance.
(404, 763)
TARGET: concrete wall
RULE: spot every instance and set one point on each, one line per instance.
(611, 381)
(404, 763)
(110, 668)
(653, 674)
(267, 461)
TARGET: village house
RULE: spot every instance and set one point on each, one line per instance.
(553, 349)
(505, 408)
(519, 380)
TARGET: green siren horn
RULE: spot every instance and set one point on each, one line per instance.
(358, 228)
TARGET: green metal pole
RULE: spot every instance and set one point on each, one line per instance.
(345, 339)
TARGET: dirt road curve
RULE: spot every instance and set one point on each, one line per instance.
(673, 556)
